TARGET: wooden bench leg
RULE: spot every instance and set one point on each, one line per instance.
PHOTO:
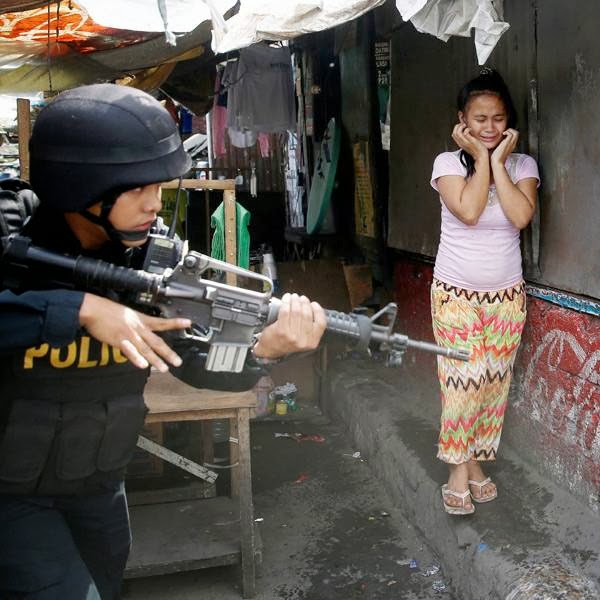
(246, 505)
(208, 445)
(234, 454)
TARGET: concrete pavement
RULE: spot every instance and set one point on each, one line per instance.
(535, 541)
(329, 529)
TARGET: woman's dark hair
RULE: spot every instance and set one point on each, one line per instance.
(489, 81)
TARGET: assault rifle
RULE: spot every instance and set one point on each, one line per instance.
(225, 317)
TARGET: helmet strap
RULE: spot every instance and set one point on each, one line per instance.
(115, 235)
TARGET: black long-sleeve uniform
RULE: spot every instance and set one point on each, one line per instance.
(71, 407)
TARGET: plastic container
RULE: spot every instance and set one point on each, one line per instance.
(220, 430)
(263, 388)
(202, 173)
(269, 269)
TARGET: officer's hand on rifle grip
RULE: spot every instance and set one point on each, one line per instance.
(130, 331)
(299, 327)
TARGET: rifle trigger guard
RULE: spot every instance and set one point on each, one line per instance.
(196, 336)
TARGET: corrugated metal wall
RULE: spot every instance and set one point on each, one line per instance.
(568, 62)
(269, 170)
(426, 75)
(551, 60)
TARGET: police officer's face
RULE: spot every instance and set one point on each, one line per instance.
(136, 210)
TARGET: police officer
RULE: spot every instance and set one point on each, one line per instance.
(74, 364)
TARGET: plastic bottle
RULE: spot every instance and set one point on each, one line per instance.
(269, 269)
(253, 183)
(263, 388)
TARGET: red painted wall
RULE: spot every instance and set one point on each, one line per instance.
(558, 375)
(554, 411)
(412, 281)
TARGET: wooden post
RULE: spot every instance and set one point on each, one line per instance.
(225, 185)
(200, 184)
(207, 215)
(234, 456)
(24, 129)
(230, 233)
(248, 542)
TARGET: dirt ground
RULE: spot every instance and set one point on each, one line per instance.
(329, 530)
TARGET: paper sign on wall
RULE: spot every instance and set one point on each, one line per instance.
(364, 210)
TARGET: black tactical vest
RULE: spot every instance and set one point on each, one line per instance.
(69, 417)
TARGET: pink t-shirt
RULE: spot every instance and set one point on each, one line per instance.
(487, 256)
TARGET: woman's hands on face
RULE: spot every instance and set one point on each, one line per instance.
(505, 147)
(461, 134)
(130, 331)
(299, 327)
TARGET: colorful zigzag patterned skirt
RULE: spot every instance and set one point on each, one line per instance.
(475, 393)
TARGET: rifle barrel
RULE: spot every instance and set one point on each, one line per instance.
(360, 327)
(458, 354)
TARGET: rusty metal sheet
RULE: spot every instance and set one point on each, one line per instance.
(551, 67)
(426, 76)
(569, 100)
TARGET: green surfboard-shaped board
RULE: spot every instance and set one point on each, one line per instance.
(323, 179)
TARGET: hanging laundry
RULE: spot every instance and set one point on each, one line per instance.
(261, 90)
(219, 118)
(217, 222)
(242, 139)
(264, 143)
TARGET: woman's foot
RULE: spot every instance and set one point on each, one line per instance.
(455, 494)
(482, 488)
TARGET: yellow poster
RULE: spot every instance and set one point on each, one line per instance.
(364, 211)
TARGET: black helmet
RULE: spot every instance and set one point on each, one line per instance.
(99, 140)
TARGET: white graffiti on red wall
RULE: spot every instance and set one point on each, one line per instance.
(562, 392)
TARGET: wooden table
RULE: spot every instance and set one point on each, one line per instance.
(211, 520)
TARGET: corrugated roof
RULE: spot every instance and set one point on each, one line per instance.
(55, 46)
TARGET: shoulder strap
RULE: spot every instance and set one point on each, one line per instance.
(17, 203)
